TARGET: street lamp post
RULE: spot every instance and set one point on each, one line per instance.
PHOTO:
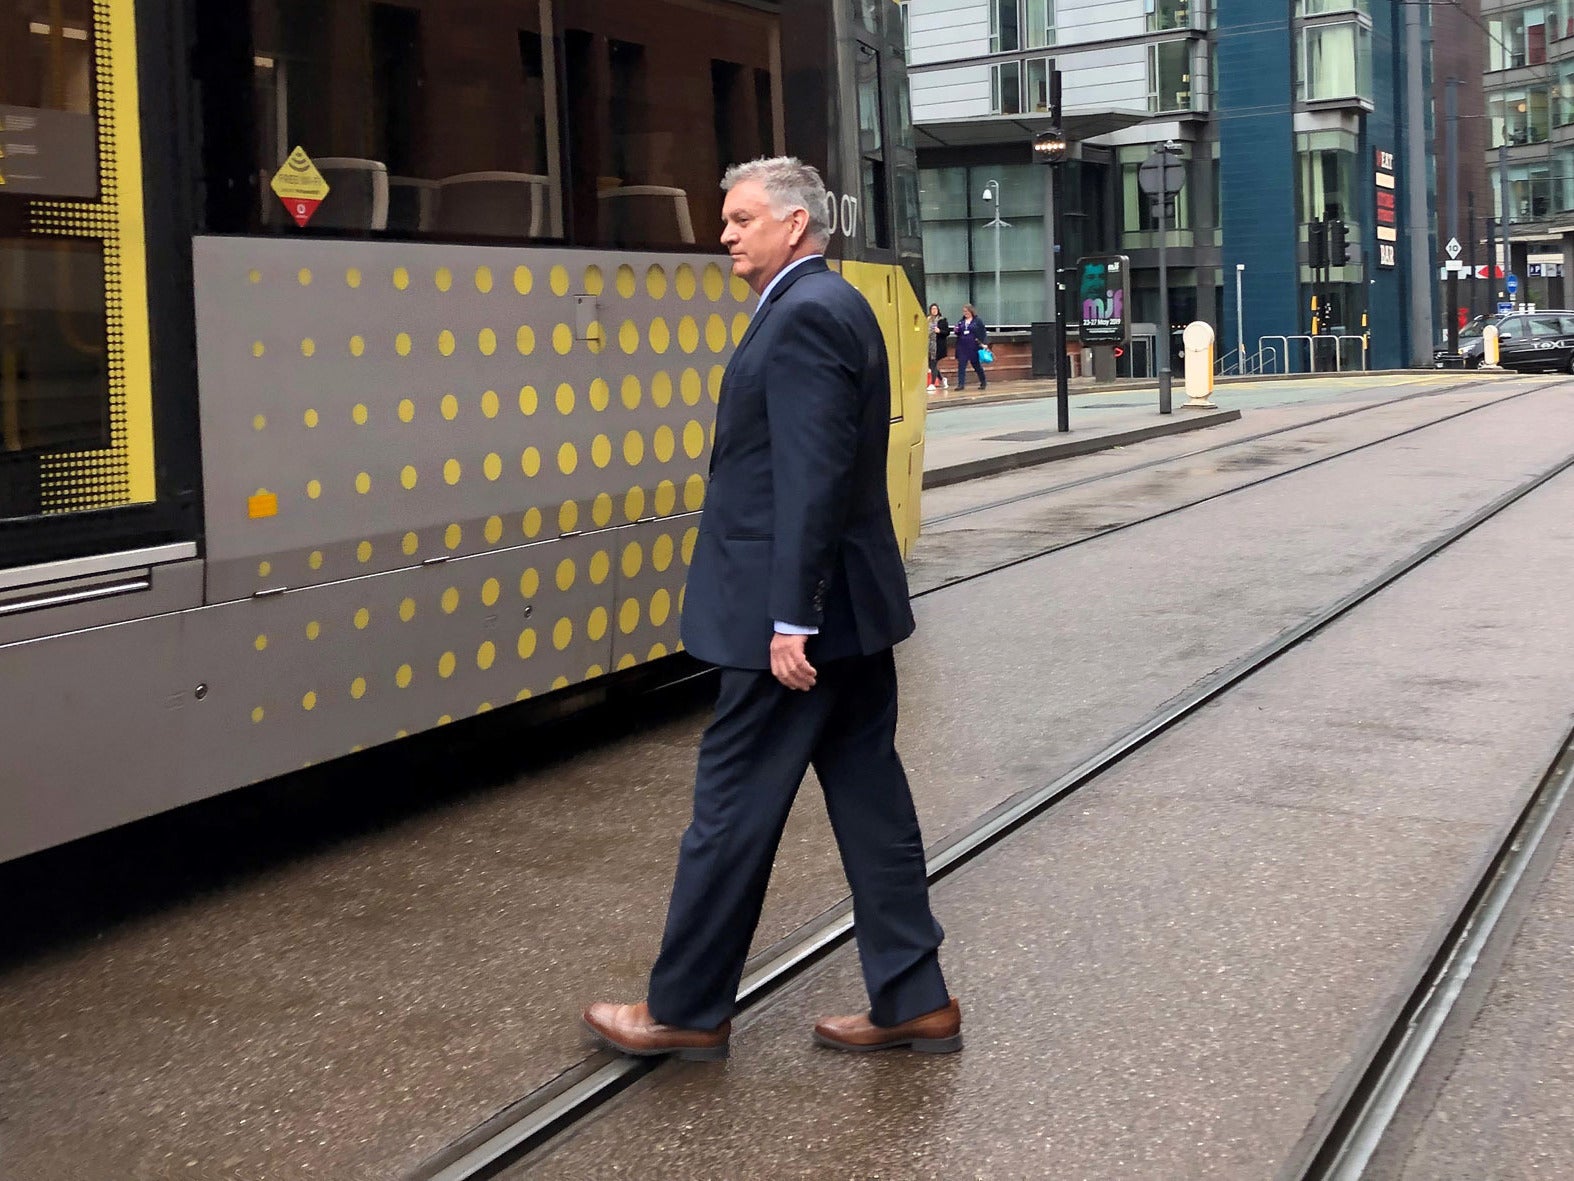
(1050, 147)
(992, 193)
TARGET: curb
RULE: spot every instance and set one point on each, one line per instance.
(1033, 456)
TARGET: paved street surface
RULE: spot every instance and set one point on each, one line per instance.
(1498, 1101)
(1172, 973)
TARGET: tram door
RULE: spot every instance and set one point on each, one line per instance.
(79, 464)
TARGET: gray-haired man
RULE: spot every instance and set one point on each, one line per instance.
(797, 593)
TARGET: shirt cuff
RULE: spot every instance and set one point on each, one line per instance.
(793, 629)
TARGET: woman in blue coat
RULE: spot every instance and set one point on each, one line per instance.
(971, 335)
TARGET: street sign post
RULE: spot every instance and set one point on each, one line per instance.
(1511, 284)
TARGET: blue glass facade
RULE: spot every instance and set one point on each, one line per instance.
(1255, 116)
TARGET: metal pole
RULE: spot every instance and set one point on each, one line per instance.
(999, 315)
(1453, 212)
(1240, 320)
(1057, 236)
(1491, 266)
(1062, 377)
(1470, 257)
(1505, 218)
(1164, 285)
(1417, 218)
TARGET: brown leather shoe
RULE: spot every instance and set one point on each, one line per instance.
(939, 1032)
(631, 1029)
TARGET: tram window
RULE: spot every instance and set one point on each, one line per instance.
(661, 97)
(602, 122)
(426, 117)
(871, 144)
(54, 375)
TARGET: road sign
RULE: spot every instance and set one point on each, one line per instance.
(1504, 307)
(1454, 248)
(1161, 172)
(1511, 284)
(300, 186)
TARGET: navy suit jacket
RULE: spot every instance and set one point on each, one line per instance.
(797, 521)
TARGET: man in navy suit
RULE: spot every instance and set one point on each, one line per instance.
(797, 593)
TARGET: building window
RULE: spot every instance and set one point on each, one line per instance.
(1005, 26)
(1164, 15)
(1005, 88)
(1040, 24)
(1336, 62)
(1520, 116)
(1519, 38)
(1169, 76)
(1038, 71)
(1326, 167)
(1322, 7)
(1138, 224)
(1563, 96)
(1529, 191)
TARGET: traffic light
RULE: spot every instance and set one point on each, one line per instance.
(1338, 246)
(1317, 245)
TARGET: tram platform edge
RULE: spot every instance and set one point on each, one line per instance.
(1106, 435)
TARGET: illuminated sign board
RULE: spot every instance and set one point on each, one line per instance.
(1387, 223)
(1104, 295)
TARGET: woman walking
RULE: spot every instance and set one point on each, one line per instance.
(939, 332)
(971, 335)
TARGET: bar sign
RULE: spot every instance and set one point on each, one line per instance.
(1386, 224)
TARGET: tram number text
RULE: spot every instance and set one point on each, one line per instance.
(1386, 255)
(841, 213)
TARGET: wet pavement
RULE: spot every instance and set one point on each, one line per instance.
(1170, 974)
(348, 1012)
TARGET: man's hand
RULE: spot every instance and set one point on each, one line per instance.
(789, 664)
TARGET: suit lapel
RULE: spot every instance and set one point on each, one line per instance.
(813, 267)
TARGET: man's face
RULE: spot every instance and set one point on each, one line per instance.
(760, 244)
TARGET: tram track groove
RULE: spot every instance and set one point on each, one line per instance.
(1258, 482)
(537, 1120)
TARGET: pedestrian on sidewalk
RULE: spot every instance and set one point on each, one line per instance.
(971, 335)
(797, 593)
(939, 336)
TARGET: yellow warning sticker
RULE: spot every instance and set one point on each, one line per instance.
(300, 186)
(263, 504)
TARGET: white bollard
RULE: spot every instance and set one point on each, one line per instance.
(1489, 347)
(1198, 343)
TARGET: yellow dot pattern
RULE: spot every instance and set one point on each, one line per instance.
(451, 445)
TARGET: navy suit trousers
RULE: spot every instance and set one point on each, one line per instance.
(752, 760)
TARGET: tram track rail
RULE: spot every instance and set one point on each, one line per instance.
(1110, 530)
(1161, 461)
(537, 1120)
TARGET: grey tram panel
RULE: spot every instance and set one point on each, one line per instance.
(134, 662)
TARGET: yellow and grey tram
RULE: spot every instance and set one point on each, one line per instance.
(358, 359)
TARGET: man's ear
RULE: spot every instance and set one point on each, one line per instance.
(800, 227)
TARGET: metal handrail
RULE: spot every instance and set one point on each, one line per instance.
(1314, 345)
